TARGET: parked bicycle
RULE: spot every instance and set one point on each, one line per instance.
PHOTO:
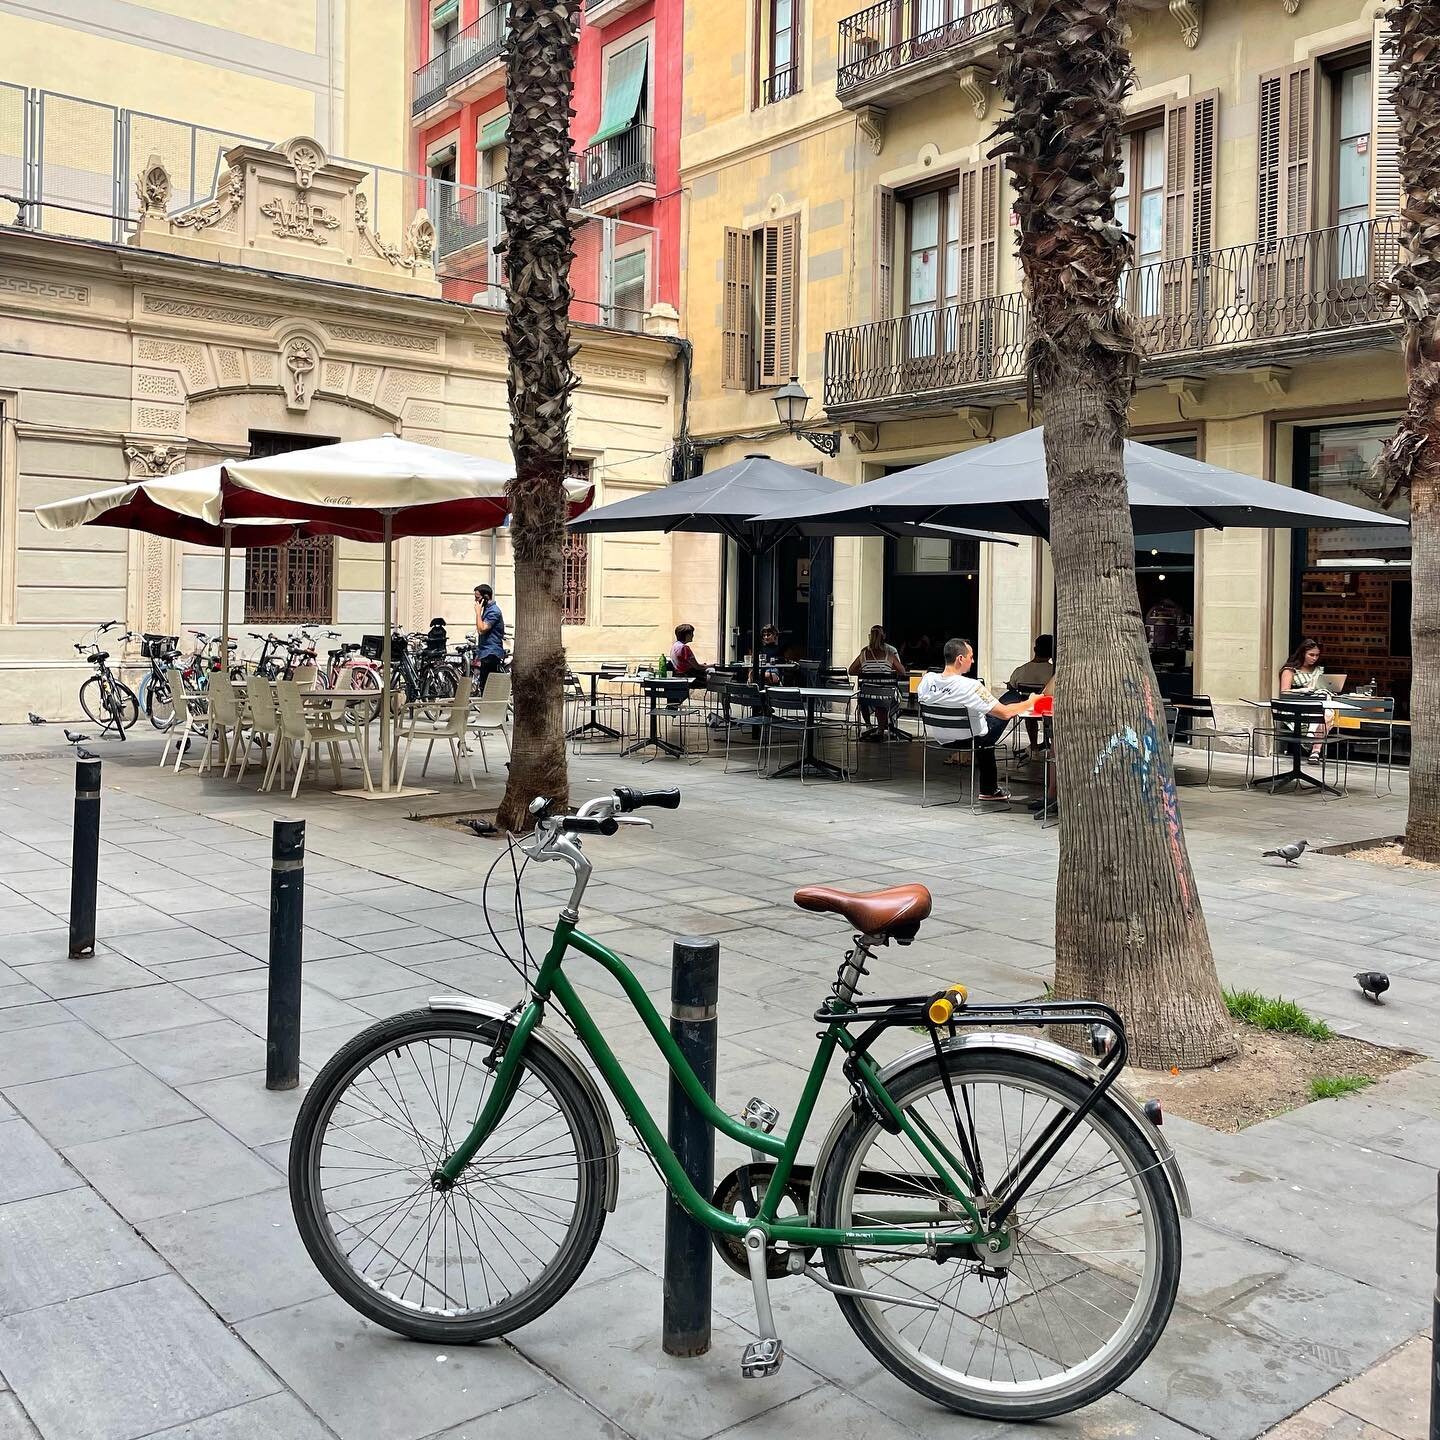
(153, 692)
(106, 699)
(997, 1218)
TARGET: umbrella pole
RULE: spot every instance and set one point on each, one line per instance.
(385, 716)
(754, 614)
(225, 602)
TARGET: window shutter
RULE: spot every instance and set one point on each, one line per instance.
(1386, 188)
(736, 344)
(988, 241)
(978, 195)
(1190, 176)
(883, 306)
(1287, 152)
(787, 313)
(777, 301)
(797, 50)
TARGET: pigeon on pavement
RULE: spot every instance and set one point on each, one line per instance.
(1373, 983)
(75, 738)
(482, 828)
(35, 719)
(1290, 853)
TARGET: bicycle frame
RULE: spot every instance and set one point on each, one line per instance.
(552, 982)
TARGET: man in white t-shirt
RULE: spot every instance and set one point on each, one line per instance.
(953, 689)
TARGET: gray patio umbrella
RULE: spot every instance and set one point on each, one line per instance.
(727, 502)
(1003, 486)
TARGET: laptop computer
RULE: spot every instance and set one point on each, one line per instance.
(1334, 682)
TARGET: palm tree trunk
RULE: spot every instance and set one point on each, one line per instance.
(540, 56)
(1129, 927)
(1411, 461)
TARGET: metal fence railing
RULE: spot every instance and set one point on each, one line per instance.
(1314, 288)
(68, 166)
(888, 37)
(616, 164)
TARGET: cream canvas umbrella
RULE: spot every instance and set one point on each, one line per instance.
(378, 490)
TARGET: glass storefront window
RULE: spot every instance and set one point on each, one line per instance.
(1353, 585)
(1165, 580)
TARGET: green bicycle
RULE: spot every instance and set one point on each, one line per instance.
(998, 1220)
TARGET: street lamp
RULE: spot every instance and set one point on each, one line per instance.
(791, 403)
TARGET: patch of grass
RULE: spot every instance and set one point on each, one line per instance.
(1272, 1013)
(1332, 1087)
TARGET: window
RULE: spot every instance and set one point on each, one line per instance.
(291, 584)
(575, 558)
(1140, 209)
(761, 307)
(778, 53)
(444, 24)
(1350, 91)
(627, 291)
(950, 259)
(627, 87)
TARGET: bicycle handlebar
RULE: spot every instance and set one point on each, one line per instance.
(632, 799)
(588, 825)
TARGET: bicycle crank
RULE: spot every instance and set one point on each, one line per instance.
(739, 1194)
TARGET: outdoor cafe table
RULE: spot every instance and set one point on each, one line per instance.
(1295, 775)
(652, 686)
(814, 697)
(593, 725)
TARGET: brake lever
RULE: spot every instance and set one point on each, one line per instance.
(633, 820)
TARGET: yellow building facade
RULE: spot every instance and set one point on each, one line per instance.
(845, 225)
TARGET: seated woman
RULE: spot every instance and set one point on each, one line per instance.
(683, 661)
(1303, 675)
(769, 655)
(878, 661)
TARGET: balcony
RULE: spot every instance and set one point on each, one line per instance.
(602, 12)
(617, 172)
(898, 49)
(1241, 307)
(467, 63)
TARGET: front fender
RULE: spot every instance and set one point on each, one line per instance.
(1079, 1065)
(490, 1010)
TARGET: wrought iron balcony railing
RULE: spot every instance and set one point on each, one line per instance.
(615, 164)
(885, 39)
(475, 46)
(779, 84)
(1280, 299)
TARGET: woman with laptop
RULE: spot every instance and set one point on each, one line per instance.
(1303, 675)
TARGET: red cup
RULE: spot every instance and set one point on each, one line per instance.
(1044, 706)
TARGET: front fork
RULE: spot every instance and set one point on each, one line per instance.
(502, 1092)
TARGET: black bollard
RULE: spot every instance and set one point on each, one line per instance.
(84, 859)
(694, 990)
(287, 915)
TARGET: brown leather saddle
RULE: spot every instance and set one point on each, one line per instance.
(895, 913)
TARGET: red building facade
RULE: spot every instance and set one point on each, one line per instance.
(626, 136)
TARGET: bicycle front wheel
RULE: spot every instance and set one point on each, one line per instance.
(458, 1265)
(155, 701)
(1089, 1279)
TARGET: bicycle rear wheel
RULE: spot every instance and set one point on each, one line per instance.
(155, 701)
(483, 1257)
(1088, 1282)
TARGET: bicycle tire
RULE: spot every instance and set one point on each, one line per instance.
(307, 1187)
(156, 691)
(1019, 1399)
(124, 707)
(92, 701)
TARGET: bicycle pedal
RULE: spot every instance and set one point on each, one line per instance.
(761, 1358)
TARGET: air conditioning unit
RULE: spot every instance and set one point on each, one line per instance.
(597, 167)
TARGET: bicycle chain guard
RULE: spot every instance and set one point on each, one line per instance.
(740, 1192)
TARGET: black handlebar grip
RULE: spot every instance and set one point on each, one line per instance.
(632, 799)
(588, 825)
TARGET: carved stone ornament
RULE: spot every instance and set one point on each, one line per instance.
(306, 157)
(147, 461)
(1292, 7)
(298, 219)
(152, 189)
(871, 120)
(1189, 15)
(300, 361)
(974, 85)
(229, 196)
(420, 238)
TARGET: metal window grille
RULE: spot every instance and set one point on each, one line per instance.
(576, 559)
(291, 584)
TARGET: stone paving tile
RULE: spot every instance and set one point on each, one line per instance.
(56, 1247)
(14, 1423)
(349, 976)
(99, 1104)
(553, 1412)
(63, 979)
(1393, 1395)
(179, 1167)
(274, 1417)
(43, 1052)
(1322, 1421)
(28, 1166)
(318, 1011)
(242, 1104)
(225, 963)
(244, 1256)
(152, 947)
(139, 1011)
(199, 1052)
(126, 1362)
(365, 1382)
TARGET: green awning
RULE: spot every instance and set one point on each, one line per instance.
(443, 12)
(493, 133)
(622, 98)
